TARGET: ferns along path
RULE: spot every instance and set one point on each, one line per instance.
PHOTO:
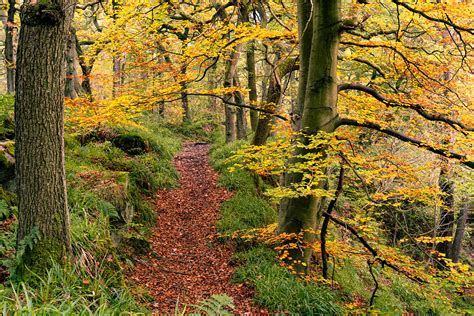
(185, 264)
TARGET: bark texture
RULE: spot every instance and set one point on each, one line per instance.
(39, 117)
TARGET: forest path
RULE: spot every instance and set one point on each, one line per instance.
(185, 264)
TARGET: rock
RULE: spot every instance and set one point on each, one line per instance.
(131, 144)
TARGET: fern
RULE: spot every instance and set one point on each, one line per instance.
(26, 244)
(5, 210)
(216, 305)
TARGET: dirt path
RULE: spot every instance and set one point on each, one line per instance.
(185, 264)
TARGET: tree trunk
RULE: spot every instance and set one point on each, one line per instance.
(274, 95)
(117, 74)
(9, 47)
(460, 229)
(305, 34)
(319, 112)
(252, 84)
(230, 119)
(212, 82)
(184, 96)
(241, 113)
(39, 128)
(86, 68)
(446, 221)
(73, 87)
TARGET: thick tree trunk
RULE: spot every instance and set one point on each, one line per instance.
(9, 47)
(319, 112)
(39, 147)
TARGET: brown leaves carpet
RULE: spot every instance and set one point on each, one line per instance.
(186, 265)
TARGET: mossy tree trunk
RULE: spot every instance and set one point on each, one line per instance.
(39, 116)
(318, 51)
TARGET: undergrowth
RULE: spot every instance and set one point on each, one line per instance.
(351, 285)
(109, 212)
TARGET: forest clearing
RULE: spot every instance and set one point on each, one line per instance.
(241, 157)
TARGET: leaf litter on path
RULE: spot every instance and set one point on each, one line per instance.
(185, 264)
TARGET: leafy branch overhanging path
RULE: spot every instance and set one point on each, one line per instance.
(185, 264)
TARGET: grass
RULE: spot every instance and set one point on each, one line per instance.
(107, 191)
(279, 291)
(275, 287)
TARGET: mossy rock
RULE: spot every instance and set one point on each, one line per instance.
(131, 144)
(7, 162)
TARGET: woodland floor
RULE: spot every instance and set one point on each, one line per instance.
(186, 264)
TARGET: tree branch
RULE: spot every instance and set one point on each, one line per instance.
(372, 250)
(443, 152)
(418, 108)
(281, 117)
(428, 17)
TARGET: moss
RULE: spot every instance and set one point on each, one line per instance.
(38, 260)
